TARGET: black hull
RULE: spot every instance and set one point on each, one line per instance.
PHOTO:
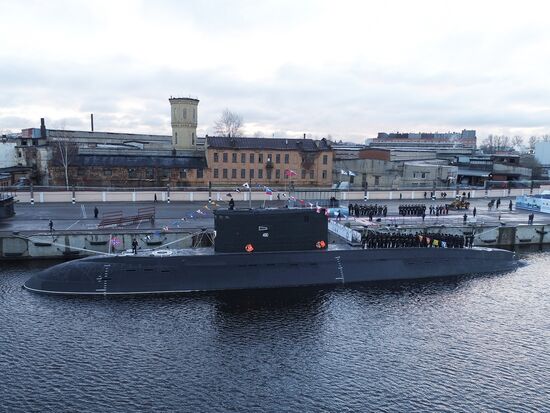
(111, 275)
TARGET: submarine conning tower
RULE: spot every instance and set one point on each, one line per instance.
(265, 230)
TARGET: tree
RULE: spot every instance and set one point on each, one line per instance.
(495, 143)
(532, 142)
(229, 124)
(529, 161)
(517, 142)
(64, 153)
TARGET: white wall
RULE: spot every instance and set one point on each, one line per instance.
(7, 154)
(542, 152)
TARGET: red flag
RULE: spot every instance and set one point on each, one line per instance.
(290, 172)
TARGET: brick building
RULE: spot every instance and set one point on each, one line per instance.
(267, 161)
(91, 158)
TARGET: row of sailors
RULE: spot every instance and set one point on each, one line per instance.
(388, 240)
(416, 210)
(439, 210)
(368, 210)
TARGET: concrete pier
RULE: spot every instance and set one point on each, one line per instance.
(76, 234)
(78, 244)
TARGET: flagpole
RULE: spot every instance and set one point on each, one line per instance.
(249, 197)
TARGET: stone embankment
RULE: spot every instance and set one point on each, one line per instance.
(73, 244)
(77, 244)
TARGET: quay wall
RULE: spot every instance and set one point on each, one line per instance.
(77, 244)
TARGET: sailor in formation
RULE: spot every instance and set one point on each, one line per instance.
(412, 209)
(394, 240)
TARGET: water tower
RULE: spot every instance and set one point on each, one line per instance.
(184, 122)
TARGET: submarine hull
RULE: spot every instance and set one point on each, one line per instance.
(205, 270)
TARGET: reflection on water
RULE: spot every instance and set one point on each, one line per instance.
(460, 344)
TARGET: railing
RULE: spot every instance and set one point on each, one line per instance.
(259, 186)
(116, 218)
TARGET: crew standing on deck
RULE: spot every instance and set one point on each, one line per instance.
(134, 246)
(231, 204)
(96, 212)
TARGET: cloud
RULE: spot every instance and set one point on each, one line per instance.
(287, 67)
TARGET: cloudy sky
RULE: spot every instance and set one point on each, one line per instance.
(341, 68)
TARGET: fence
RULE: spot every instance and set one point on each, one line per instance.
(186, 195)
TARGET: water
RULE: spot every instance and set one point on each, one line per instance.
(461, 345)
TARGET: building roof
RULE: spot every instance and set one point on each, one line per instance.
(473, 172)
(278, 144)
(97, 136)
(191, 162)
(17, 168)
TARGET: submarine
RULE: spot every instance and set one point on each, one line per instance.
(262, 248)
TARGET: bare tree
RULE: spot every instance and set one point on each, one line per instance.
(495, 143)
(532, 142)
(64, 153)
(517, 142)
(229, 124)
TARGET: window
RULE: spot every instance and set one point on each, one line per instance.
(260, 173)
(225, 156)
(311, 174)
(216, 157)
(269, 173)
(183, 173)
(287, 158)
(233, 173)
(423, 174)
(194, 114)
(243, 173)
(251, 158)
(351, 179)
(149, 173)
(216, 173)
(278, 158)
(165, 173)
(278, 174)
(200, 173)
(224, 173)
(234, 157)
(184, 113)
(376, 180)
(303, 174)
(269, 157)
(132, 173)
(325, 159)
(107, 172)
(243, 157)
(251, 174)
(324, 174)
(260, 158)
(192, 138)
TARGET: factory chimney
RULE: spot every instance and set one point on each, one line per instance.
(92, 120)
(42, 128)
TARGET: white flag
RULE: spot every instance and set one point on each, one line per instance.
(342, 172)
(351, 173)
(246, 185)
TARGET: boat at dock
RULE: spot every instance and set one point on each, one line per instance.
(262, 248)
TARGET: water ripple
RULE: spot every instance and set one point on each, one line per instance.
(461, 345)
